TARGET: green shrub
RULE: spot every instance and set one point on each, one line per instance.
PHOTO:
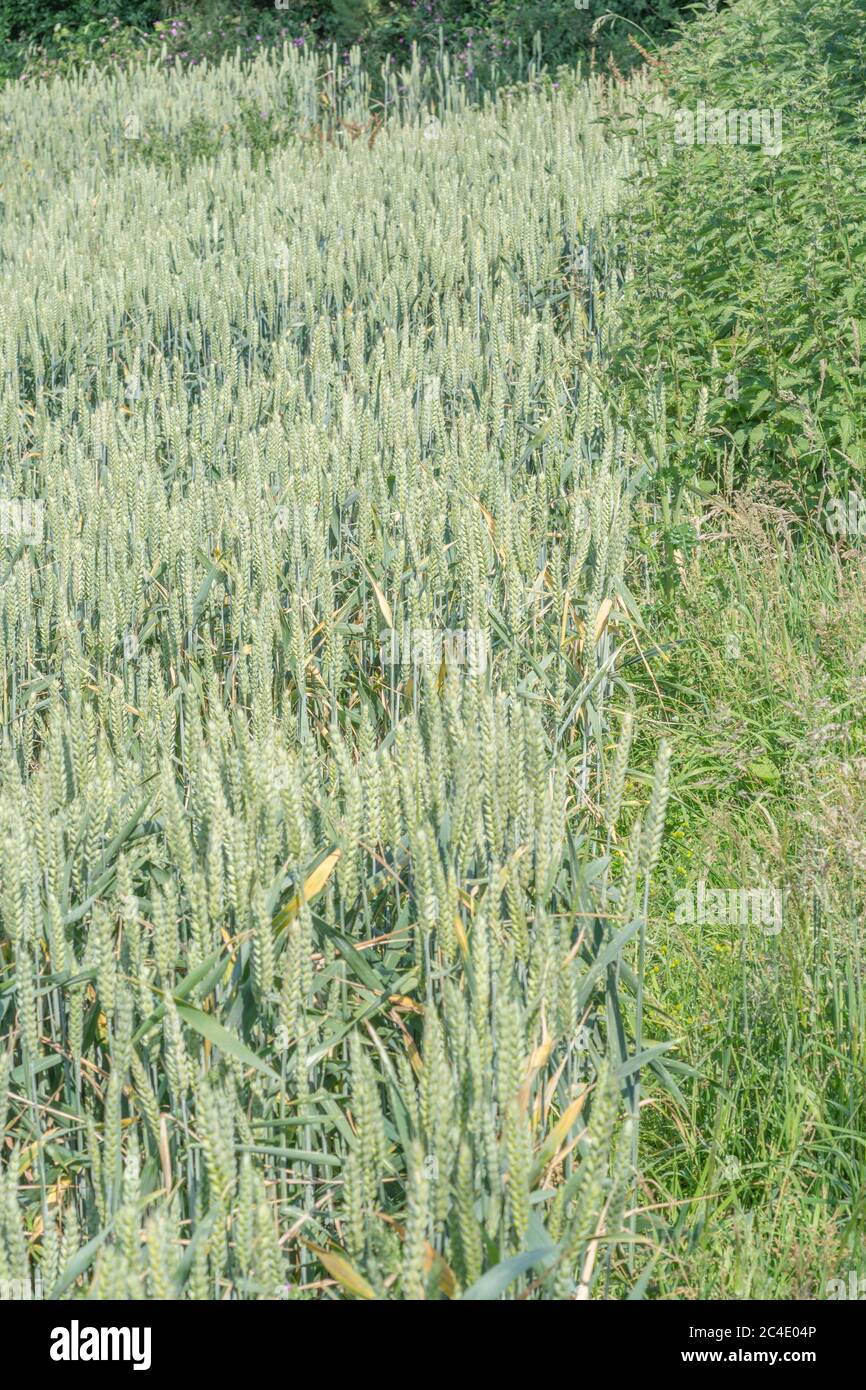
(746, 314)
(37, 19)
(489, 41)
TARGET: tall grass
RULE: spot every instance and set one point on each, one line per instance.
(759, 1178)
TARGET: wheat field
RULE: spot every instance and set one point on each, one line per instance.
(320, 936)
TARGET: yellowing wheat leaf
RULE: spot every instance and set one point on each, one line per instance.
(312, 886)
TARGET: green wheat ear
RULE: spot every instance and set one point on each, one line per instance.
(619, 770)
(655, 813)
